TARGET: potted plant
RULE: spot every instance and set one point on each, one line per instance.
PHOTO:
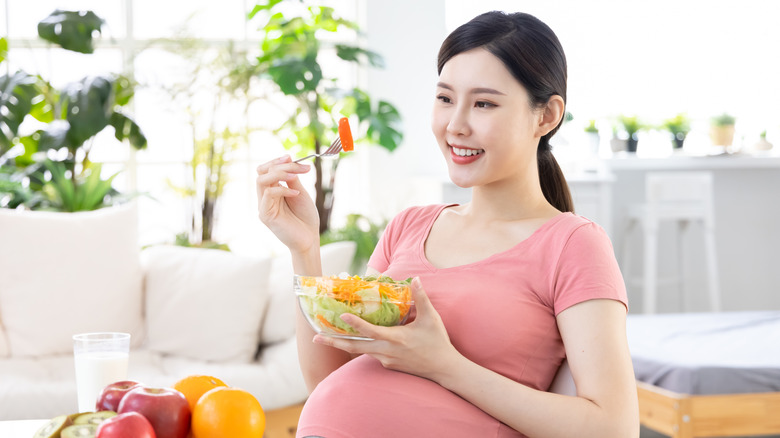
(631, 125)
(72, 117)
(291, 45)
(722, 130)
(679, 126)
(762, 144)
(219, 84)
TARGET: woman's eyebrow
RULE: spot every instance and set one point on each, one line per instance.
(478, 90)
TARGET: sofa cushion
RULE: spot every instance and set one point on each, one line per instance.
(68, 273)
(279, 322)
(204, 304)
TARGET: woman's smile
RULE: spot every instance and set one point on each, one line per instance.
(464, 155)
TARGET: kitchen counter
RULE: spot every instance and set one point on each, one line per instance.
(689, 162)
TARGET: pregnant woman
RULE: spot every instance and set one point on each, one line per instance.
(506, 287)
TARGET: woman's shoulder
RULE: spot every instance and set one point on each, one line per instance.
(572, 222)
(568, 227)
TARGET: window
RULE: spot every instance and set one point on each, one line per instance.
(133, 43)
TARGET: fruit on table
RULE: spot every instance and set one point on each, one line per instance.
(79, 431)
(109, 398)
(53, 428)
(194, 386)
(126, 425)
(228, 412)
(165, 408)
(93, 417)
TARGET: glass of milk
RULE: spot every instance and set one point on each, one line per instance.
(101, 359)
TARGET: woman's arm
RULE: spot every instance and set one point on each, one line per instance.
(289, 212)
(594, 336)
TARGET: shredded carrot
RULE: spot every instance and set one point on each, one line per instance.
(325, 323)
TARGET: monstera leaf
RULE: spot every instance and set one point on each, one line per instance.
(72, 30)
(90, 107)
(16, 93)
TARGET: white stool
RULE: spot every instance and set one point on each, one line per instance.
(682, 197)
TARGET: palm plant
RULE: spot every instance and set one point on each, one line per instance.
(218, 85)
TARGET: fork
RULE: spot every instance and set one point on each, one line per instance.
(334, 149)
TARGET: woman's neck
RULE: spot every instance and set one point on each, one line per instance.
(509, 201)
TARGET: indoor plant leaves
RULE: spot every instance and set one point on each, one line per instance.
(72, 30)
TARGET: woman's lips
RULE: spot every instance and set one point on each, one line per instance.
(463, 155)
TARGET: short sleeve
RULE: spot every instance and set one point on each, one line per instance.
(587, 270)
(382, 255)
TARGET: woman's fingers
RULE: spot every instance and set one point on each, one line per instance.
(420, 298)
(263, 168)
(273, 173)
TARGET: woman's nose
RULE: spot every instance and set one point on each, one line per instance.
(459, 123)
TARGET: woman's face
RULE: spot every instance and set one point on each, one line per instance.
(483, 121)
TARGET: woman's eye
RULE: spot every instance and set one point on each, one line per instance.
(482, 104)
(444, 99)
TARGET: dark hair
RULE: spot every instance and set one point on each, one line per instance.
(532, 53)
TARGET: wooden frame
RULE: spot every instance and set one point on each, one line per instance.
(282, 422)
(688, 416)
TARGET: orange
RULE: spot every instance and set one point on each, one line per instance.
(228, 412)
(194, 386)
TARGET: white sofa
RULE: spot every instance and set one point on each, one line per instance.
(190, 311)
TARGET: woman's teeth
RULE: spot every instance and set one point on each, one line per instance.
(466, 152)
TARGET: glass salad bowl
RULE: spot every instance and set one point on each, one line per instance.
(377, 300)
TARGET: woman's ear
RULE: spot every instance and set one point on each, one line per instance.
(551, 115)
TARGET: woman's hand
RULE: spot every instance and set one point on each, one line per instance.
(284, 206)
(419, 347)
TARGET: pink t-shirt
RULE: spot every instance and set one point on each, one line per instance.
(499, 312)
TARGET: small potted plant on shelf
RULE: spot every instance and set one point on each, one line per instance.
(762, 144)
(722, 130)
(631, 125)
(679, 126)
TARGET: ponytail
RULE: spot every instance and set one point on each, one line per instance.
(554, 186)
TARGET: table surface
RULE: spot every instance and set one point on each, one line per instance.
(20, 428)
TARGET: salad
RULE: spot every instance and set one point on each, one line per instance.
(379, 300)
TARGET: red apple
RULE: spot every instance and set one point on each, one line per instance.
(109, 398)
(165, 408)
(127, 425)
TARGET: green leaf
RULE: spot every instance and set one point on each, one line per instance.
(54, 136)
(295, 75)
(267, 6)
(382, 120)
(45, 102)
(87, 193)
(16, 95)
(71, 30)
(125, 128)
(60, 189)
(30, 143)
(94, 189)
(359, 55)
(124, 90)
(3, 49)
(89, 107)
